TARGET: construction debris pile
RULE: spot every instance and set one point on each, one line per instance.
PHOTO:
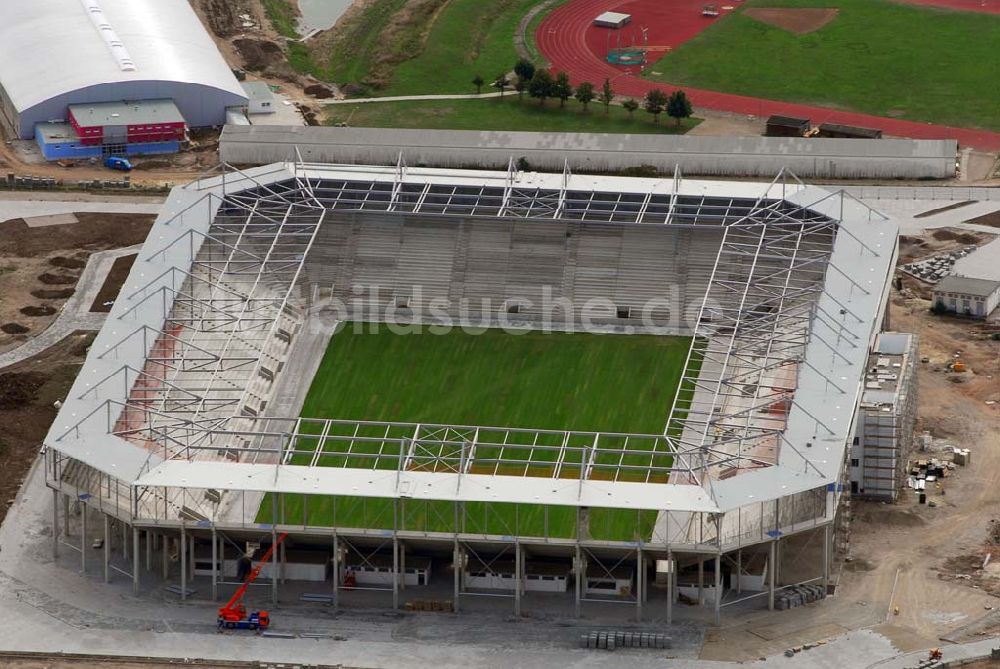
(799, 595)
(933, 268)
(927, 474)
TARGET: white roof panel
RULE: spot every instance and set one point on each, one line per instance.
(52, 47)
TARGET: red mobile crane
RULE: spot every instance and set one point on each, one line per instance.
(234, 615)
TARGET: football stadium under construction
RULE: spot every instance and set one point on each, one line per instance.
(232, 398)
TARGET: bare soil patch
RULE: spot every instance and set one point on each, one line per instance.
(258, 54)
(113, 283)
(39, 268)
(992, 219)
(36, 311)
(800, 21)
(27, 392)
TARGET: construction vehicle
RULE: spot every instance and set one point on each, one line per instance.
(118, 163)
(233, 615)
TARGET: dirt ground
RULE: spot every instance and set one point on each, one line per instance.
(27, 392)
(799, 21)
(39, 267)
(113, 283)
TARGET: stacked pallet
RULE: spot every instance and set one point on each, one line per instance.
(614, 639)
(799, 595)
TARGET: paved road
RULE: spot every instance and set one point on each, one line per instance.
(403, 98)
(25, 208)
(561, 38)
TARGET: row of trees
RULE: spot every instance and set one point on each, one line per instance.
(541, 85)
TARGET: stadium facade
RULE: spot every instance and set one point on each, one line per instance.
(184, 420)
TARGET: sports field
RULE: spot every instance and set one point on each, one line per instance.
(609, 383)
(875, 56)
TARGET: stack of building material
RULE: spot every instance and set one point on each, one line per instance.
(963, 457)
(612, 639)
(799, 595)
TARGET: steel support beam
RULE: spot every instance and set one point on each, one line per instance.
(135, 560)
(518, 578)
(107, 547)
(83, 537)
(215, 565)
(55, 524)
(184, 564)
(640, 584)
(718, 589)
(335, 572)
(274, 568)
(772, 556)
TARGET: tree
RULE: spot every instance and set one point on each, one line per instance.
(562, 89)
(541, 86)
(501, 82)
(525, 69)
(655, 102)
(678, 106)
(584, 93)
(630, 105)
(478, 82)
(607, 95)
(520, 85)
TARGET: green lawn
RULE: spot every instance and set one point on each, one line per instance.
(502, 114)
(879, 57)
(283, 17)
(434, 52)
(581, 381)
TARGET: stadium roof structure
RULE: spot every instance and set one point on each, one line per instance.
(787, 325)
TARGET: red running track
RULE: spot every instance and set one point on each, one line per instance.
(568, 39)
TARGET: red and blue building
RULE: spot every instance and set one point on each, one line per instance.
(103, 129)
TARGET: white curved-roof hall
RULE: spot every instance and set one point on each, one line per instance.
(59, 52)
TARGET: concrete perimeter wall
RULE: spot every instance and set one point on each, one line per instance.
(595, 152)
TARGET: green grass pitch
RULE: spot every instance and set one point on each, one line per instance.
(608, 383)
(879, 57)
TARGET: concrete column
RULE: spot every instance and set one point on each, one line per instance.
(274, 567)
(670, 588)
(215, 565)
(149, 550)
(83, 537)
(826, 558)
(55, 524)
(183, 555)
(581, 575)
(282, 555)
(107, 547)
(718, 588)
(191, 560)
(701, 580)
(518, 568)
(336, 571)
(135, 560)
(457, 565)
(395, 573)
(772, 557)
(65, 515)
(164, 557)
(739, 571)
(640, 585)
(402, 566)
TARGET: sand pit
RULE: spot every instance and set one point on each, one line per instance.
(798, 21)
